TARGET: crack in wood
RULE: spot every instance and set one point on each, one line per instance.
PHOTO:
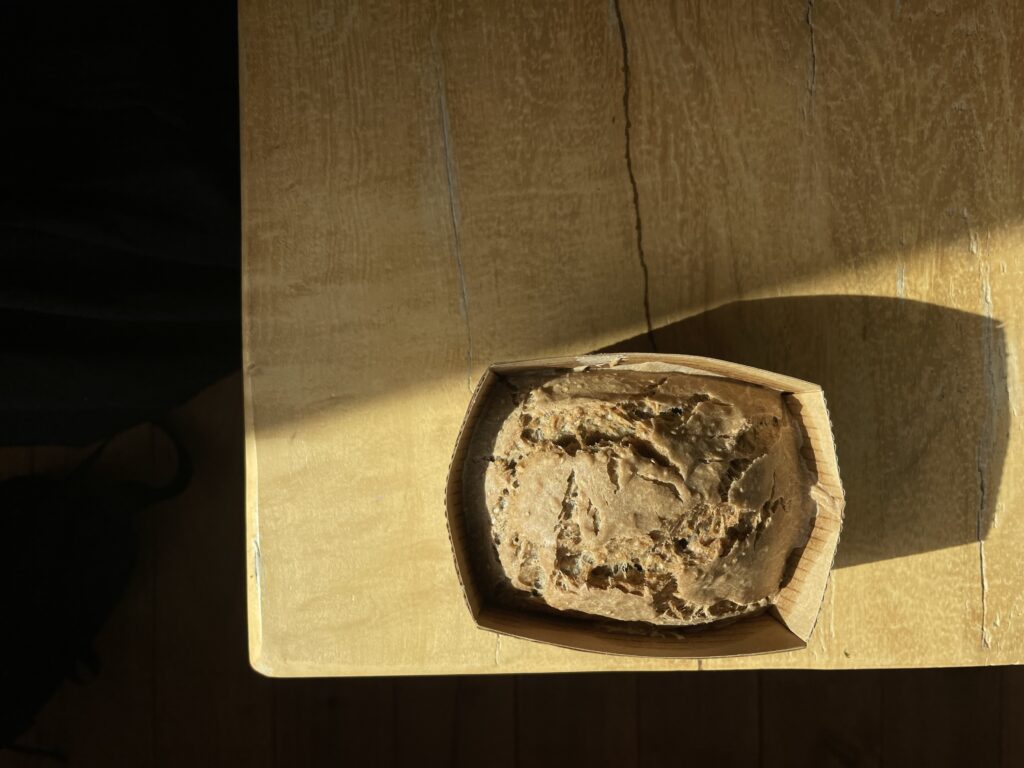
(812, 73)
(637, 221)
(453, 213)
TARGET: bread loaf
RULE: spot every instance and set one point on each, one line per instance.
(665, 498)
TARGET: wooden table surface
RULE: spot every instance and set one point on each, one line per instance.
(830, 191)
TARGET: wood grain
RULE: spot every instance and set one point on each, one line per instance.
(717, 717)
(199, 559)
(208, 708)
(946, 717)
(330, 722)
(1011, 697)
(828, 718)
(562, 719)
(426, 720)
(485, 710)
(428, 188)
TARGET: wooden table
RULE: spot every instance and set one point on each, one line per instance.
(832, 192)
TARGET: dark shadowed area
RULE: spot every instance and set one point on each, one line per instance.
(920, 413)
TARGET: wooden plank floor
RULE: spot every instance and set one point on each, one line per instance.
(175, 687)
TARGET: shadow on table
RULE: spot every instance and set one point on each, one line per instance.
(917, 395)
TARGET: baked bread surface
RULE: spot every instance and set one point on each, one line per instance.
(666, 498)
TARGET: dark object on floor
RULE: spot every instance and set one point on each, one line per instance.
(119, 214)
(67, 546)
